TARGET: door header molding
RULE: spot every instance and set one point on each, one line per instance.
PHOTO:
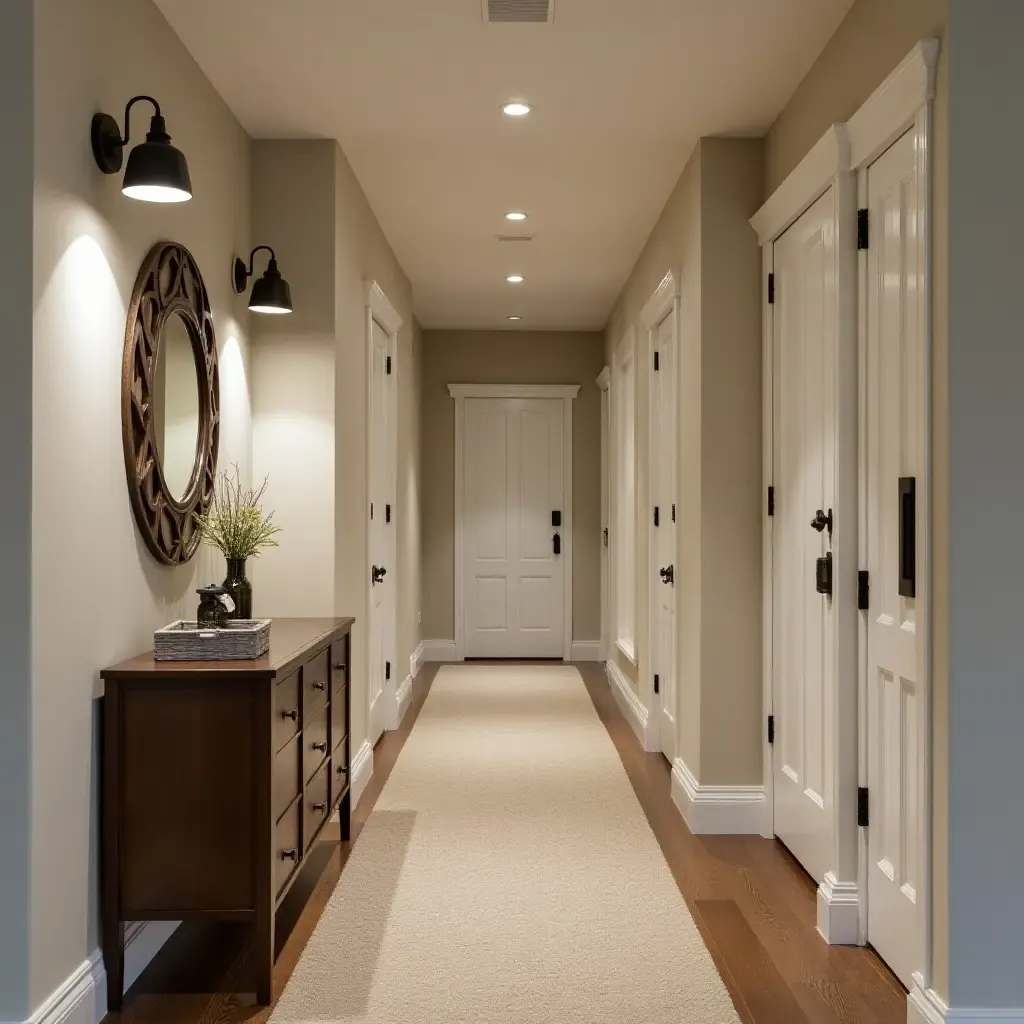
(381, 309)
(513, 390)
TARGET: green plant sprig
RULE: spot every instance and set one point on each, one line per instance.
(236, 523)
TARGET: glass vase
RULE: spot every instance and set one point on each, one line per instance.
(239, 588)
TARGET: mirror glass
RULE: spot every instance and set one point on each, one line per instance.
(176, 406)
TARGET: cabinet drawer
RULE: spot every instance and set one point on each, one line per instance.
(287, 851)
(286, 710)
(339, 771)
(314, 683)
(339, 663)
(314, 742)
(287, 780)
(315, 806)
(339, 716)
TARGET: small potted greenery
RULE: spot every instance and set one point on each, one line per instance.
(239, 528)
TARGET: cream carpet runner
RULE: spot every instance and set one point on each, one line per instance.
(508, 875)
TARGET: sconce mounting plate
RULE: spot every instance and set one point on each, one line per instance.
(239, 276)
(107, 147)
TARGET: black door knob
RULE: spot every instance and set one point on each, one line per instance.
(668, 574)
(821, 521)
(377, 573)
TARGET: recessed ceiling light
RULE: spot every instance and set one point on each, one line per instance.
(513, 318)
(515, 278)
(516, 109)
(515, 215)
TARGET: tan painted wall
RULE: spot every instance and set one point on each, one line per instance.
(873, 38)
(509, 357)
(97, 594)
(703, 236)
(310, 398)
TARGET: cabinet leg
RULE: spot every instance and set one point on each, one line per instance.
(263, 957)
(113, 963)
(345, 816)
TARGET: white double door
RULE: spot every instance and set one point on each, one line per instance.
(514, 528)
(894, 533)
(663, 534)
(803, 669)
(382, 469)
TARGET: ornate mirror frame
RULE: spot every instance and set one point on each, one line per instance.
(169, 284)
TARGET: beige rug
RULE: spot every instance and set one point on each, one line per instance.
(507, 875)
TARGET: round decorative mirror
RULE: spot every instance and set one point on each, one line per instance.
(170, 389)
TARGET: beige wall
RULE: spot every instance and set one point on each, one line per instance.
(310, 398)
(703, 237)
(509, 357)
(97, 594)
(873, 38)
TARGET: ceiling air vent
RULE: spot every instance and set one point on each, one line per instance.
(518, 11)
(515, 238)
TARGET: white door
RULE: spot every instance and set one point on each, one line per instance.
(663, 533)
(803, 474)
(513, 492)
(382, 534)
(895, 452)
(605, 506)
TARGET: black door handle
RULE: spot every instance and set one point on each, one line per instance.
(377, 573)
(908, 536)
(821, 520)
(606, 536)
(668, 574)
(556, 544)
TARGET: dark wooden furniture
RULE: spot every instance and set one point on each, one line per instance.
(217, 779)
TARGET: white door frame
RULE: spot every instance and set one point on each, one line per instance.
(826, 166)
(604, 385)
(840, 159)
(460, 392)
(666, 301)
(379, 309)
(902, 103)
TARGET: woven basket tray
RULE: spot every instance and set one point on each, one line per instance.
(238, 640)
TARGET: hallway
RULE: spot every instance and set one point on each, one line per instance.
(500, 860)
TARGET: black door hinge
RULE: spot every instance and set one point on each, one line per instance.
(771, 289)
(371, 509)
(862, 806)
(862, 229)
(657, 683)
(673, 511)
(657, 361)
(863, 590)
(771, 501)
(387, 366)
(387, 513)
(387, 669)
(771, 728)
(657, 516)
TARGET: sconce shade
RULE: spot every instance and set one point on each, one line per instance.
(157, 172)
(271, 294)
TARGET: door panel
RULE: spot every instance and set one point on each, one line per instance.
(895, 449)
(512, 482)
(803, 674)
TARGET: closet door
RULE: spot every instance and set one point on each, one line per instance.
(513, 483)
(895, 382)
(804, 467)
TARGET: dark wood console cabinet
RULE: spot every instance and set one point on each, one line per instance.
(217, 779)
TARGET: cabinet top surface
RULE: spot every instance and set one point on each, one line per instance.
(291, 640)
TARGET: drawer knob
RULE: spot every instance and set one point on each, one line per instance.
(320, 808)
(342, 769)
(289, 855)
(319, 686)
(293, 714)
(322, 747)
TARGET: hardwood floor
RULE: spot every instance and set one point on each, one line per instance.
(753, 904)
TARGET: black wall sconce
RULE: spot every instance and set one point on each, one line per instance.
(270, 294)
(157, 172)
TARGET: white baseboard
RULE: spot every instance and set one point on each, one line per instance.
(362, 771)
(82, 998)
(416, 661)
(717, 810)
(439, 650)
(402, 697)
(629, 703)
(925, 1006)
(838, 911)
(586, 650)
